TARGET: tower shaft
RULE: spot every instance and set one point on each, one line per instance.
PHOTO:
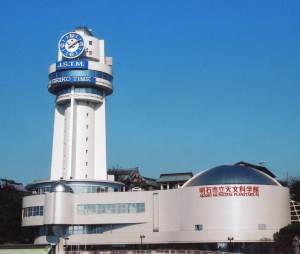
(79, 140)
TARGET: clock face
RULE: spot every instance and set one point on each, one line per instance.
(71, 45)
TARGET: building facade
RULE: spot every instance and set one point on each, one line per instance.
(80, 207)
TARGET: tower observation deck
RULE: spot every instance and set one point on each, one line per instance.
(80, 79)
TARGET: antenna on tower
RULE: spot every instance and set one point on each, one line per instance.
(263, 163)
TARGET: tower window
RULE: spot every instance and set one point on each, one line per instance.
(90, 43)
(86, 139)
(87, 114)
(87, 126)
(86, 163)
(86, 151)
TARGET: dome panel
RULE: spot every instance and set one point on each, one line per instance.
(228, 174)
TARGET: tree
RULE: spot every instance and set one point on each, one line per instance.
(284, 238)
(294, 184)
(10, 214)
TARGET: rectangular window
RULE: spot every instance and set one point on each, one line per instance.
(199, 227)
(140, 207)
(33, 211)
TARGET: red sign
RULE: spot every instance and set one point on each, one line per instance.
(229, 191)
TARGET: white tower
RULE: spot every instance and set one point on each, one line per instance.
(81, 79)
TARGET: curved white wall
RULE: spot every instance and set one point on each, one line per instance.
(246, 219)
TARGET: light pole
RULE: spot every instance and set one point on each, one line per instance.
(66, 238)
(230, 239)
(142, 237)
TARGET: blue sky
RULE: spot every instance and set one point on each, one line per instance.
(197, 83)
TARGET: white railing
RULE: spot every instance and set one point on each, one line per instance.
(295, 211)
(144, 252)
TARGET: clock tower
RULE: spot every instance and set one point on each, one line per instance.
(81, 79)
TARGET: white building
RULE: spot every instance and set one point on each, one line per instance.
(79, 207)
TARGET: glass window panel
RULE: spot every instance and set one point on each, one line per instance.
(132, 208)
(80, 209)
(101, 208)
(140, 207)
(41, 210)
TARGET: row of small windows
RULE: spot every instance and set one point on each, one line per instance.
(118, 208)
(92, 189)
(82, 229)
(92, 229)
(43, 190)
(81, 73)
(33, 211)
(77, 188)
(88, 90)
(81, 90)
(199, 227)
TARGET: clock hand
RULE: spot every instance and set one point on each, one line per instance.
(73, 44)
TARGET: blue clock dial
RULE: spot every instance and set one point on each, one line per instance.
(71, 45)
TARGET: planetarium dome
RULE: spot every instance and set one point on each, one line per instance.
(233, 174)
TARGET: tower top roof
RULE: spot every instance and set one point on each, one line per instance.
(85, 30)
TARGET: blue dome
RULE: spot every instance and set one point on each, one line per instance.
(231, 174)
